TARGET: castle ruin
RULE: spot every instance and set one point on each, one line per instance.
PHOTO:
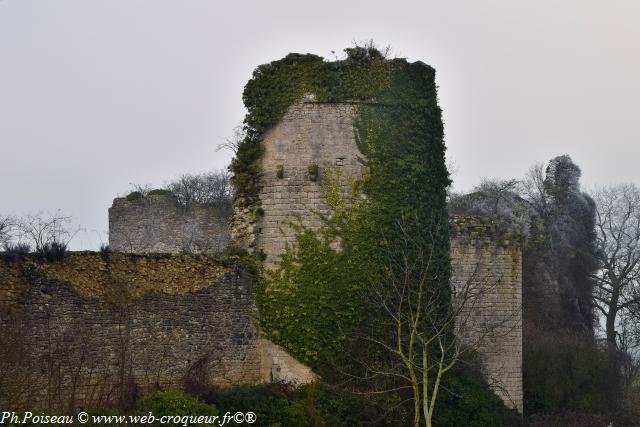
(148, 315)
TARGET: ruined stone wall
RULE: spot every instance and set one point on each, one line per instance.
(157, 224)
(90, 331)
(321, 134)
(486, 267)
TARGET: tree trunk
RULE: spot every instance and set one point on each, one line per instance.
(611, 327)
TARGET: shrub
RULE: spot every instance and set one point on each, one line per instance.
(272, 403)
(280, 172)
(15, 251)
(159, 192)
(568, 419)
(310, 405)
(134, 195)
(313, 172)
(105, 252)
(232, 251)
(53, 251)
(174, 402)
(567, 372)
(467, 401)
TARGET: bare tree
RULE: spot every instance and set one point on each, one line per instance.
(6, 224)
(44, 230)
(427, 330)
(495, 199)
(232, 143)
(41, 232)
(210, 188)
(207, 188)
(617, 292)
(532, 188)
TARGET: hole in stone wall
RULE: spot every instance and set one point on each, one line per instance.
(313, 172)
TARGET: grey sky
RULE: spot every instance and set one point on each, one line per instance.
(95, 95)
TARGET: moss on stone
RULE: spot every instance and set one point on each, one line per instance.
(134, 275)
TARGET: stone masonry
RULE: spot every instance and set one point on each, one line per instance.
(94, 331)
(156, 223)
(91, 330)
(486, 268)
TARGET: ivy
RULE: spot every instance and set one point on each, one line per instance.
(310, 301)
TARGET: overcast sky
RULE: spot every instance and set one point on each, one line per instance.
(95, 95)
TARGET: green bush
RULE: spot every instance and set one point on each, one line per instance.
(134, 195)
(310, 405)
(571, 419)
(272, 403)
(159, 192)
(567, 372)
(174, 402)
(466, 400)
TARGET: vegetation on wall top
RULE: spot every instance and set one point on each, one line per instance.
(212, 188)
